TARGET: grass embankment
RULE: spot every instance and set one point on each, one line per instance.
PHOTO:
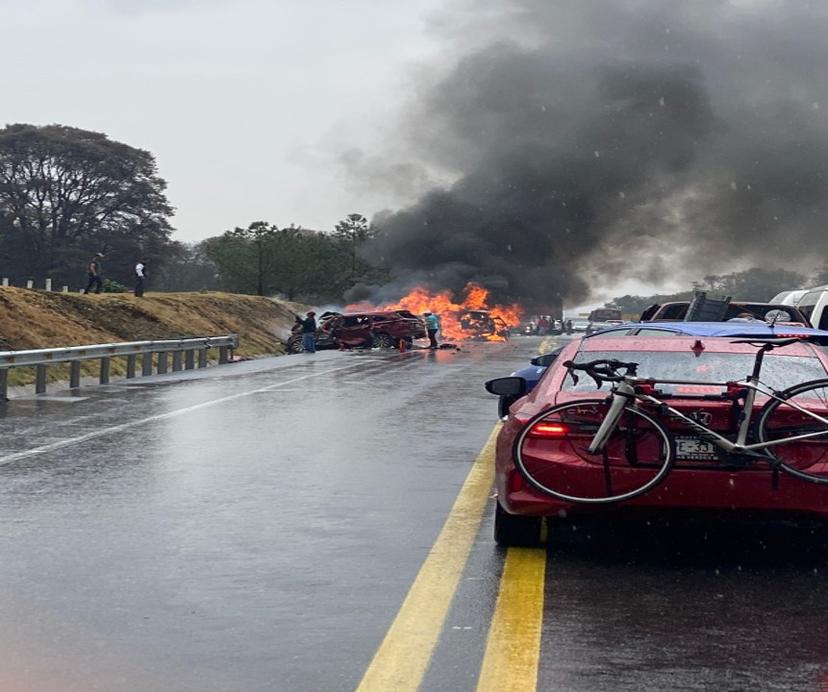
(37, 319)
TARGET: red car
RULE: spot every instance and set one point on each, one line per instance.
(383, 329)
(702, 477)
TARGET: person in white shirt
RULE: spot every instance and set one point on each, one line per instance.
(140, 275)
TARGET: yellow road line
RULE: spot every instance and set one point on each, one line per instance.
(403, 657)
(510, 663)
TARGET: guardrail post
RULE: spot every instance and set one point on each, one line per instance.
(176, 361)
(74, 374)
(202, 358)
(130, 366)
(64, 289)
(5, 281)
(40, 379)
(105, 365)
(146, 364)
(223, 355)
(162, 363)
(29, 283)
(48, 284)
(4, 385)
(189, 360)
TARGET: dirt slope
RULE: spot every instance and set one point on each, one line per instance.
(36, 319)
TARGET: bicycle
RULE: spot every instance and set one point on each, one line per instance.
(623, 448)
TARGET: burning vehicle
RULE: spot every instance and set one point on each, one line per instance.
(482, 325)
(378, 329)
(471, 318)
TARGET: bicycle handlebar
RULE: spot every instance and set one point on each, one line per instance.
(604, 370)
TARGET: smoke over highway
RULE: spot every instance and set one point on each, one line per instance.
(616, 139)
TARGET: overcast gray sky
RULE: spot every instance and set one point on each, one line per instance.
(248, 105)
(301, 111)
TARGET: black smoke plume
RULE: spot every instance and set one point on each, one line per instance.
(597, 141)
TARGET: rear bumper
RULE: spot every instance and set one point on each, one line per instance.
(713, 490)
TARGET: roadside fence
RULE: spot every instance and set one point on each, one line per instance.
(30, 284)
(187, 354)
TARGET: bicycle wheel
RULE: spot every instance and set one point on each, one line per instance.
(806, 459)
(551, 453)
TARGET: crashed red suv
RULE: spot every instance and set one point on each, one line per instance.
(385, 329)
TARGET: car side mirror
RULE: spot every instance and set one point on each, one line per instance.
(507, 386)
(545, 360)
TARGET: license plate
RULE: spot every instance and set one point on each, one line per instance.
(694, 449)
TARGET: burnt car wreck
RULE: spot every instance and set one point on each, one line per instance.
(482, 325)
(385, 329)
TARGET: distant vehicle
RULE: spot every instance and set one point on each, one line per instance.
(482, 324)
(532, 373)
(606, 315)
(383, 329)
(579, 324)
(593, 327)
(790, 297)
(814, 305)
(702, 477)
(674, 311)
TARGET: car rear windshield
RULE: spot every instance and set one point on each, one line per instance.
(778, 372)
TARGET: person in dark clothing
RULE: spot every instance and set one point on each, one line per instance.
(308, 331)
(140, 275)
(95, 273)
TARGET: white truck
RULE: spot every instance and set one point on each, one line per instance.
(814, 305)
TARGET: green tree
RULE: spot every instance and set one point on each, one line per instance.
(66, 193)
(295, 262)
(187, 268)
(352, 232)
(246, 257)
(758, 283)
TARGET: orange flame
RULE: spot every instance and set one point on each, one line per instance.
(456, 322)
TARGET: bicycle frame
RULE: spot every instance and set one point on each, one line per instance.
(625, 391)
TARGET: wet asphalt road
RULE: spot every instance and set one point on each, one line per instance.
(260, 530)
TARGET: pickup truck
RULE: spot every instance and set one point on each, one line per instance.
(764, 312)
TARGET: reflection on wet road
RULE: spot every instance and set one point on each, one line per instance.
(262, 531)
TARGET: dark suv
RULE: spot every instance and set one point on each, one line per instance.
(362, 330)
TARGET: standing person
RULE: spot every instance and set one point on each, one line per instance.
(543, 325)
(432, 323)
(95, 273)
(568, 326)
(308, 331)
(140, 275)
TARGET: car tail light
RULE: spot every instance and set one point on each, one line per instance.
(549, 430)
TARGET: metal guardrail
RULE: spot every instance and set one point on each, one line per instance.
(186, 354)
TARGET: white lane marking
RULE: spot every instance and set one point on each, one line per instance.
(17, 456)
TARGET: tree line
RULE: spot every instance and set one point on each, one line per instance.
(67, 194)
(758, 284)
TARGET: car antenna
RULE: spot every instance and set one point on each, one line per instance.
(776, 314)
